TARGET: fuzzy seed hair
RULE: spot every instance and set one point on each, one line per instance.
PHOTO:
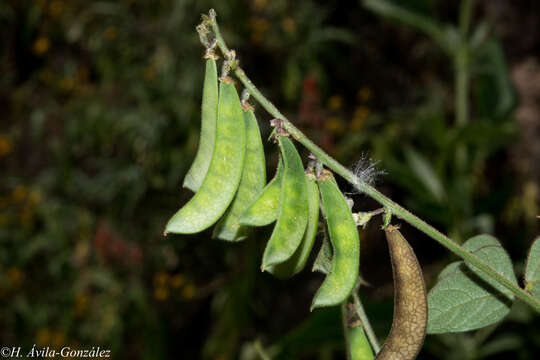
(366, 170)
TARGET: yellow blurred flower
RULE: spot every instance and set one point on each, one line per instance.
(161, 293)
(19, 193)
(26, 215)
(364, 94)
(161, 278)
(111, 33)
(15, 276)
(259, 27)
(58, 339)
(34, 197)
(149, 73)
(55, 8)
(289, 25)
(335, 102)
(189, 292)
(67, 83)
(360, 115)
(41, 45)
(177, 280)
(81, 304)
(335, 125)
(5, 146)
(260, 4)
(43, 337)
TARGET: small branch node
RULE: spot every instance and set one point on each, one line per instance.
(278, 126)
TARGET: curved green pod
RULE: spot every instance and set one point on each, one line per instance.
(345, 243)
(297, 262)
(360, 348)
(199, 168)
(293, 210)
(264, 209)
(221, 182)
(251, 183)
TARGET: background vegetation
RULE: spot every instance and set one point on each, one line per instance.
(100, 118)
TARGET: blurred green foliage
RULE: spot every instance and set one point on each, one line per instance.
(101, 107)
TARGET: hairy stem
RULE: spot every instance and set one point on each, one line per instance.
(348, 175)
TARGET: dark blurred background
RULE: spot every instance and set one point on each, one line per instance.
(100, 116)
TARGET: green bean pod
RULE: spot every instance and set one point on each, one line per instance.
(251, 183)
(199, 168)
(345, 243)
(293, 210)
(221, 182)
(296, 263)
(264, 209)
(359, 345)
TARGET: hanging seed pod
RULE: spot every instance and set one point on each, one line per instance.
(252, 182)
(223, 176)
(293, 209)
(199, 168)
(296, 263)
(264, 209)
(345, 243)
(410, 301)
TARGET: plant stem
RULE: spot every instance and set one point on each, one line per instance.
(348, 175)
(461, 69)
(461, 64)
(465, 12)
(365, 321)
(345, 324)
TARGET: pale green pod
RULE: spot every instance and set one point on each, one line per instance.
(296, 263)
(345, 243)
(293, 210)
(221, 182)
(264, 209)
(199, 168)
(360, 348)
(252, 182)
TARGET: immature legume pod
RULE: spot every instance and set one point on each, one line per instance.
(359, 345)
(221, 182)
(264, 209)
(293, 210)
(296, 263)
(410, 301)
(251, 183)
(199, 168)
(345, 243)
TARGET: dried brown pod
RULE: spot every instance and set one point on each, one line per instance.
(410, 301)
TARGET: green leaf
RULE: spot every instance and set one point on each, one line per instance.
(425, 173)
(464, 298)
(445, 36)
(494, 92)
(532, 270)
